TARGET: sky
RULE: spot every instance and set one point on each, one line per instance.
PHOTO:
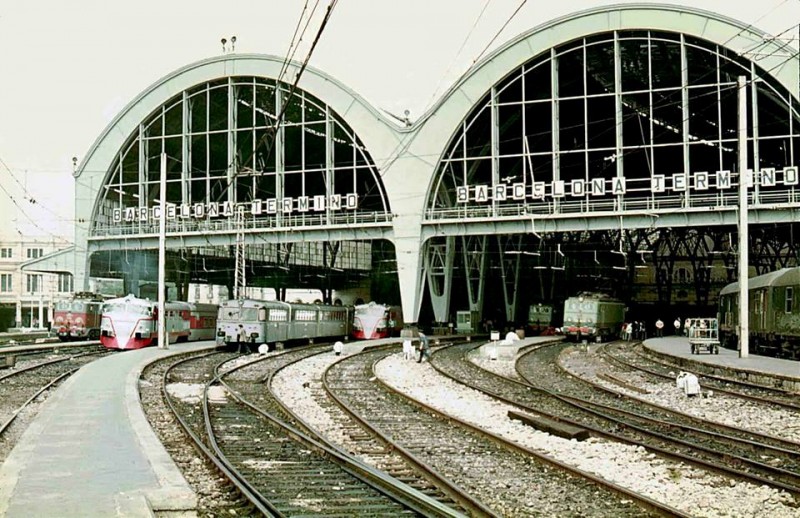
(70, 67)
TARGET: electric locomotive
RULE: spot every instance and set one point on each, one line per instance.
(132, 323)
(594, 316)
(78, 318)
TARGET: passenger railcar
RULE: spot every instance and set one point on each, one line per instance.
(593, 316)
(132, 323)
(269, 322)
(773, 314)
(372, 321)
(78, 318)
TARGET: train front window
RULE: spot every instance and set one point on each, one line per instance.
(262, 314)
(78, 307)
(789, 299)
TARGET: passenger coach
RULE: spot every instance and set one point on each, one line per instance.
(269, 322)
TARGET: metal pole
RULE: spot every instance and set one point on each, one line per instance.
(163, 343)
(744, 271)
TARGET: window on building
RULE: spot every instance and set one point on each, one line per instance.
(34, 253)
(64, 282)
(5, 282)
(789, 299)
(681, 276)
(6, 253)
(33, 283)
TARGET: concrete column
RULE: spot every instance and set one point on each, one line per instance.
(410, 275)
(41, 313)
(439, 259)
(18, 317)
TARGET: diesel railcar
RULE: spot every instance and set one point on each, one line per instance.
(592, 316)
(132, 323)
(773, 314)
(269, 322)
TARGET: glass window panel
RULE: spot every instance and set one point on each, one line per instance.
(703, 113)
(173, 119)
(174, 191)
(600, 165)
(293, 111)
(510, 129)
(153, 164)
(704, 157)
(218, 109)
(729, 111)
(479, 172)
(265, 150)
(314, 135)
(198, 156)
(173, 147)
(130, 164)
(244, 106)
(266, 186)
(537, 82)
(774, 152)
(538, 122)
(667, 160)
(509, 90)
(635, 64)
(702, 66)
(773, 115)
(198, 194)
(478, 134)
(265, 105)
(293, 148)
(342, 147)
(197, 105)
(511, 170)
(343, 181)
(599, 75)
(218, 158)
(602, 122)
(570, 73)
(667, 117)
(571, 122)
(219, 190)
(153, 127)
(293, 184)
(244, 149)
(636, 163)
(315, 111)
(244, 188)
(572, 166)
(666, 58)
(315, 183)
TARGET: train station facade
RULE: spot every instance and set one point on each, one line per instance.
(569, 156)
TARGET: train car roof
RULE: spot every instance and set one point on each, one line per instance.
(782, 277)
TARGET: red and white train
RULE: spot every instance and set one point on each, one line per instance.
(372, 321)
(132, 323)
(78, 318)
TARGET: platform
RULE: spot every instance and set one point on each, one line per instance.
(762, 370)
(90, 451)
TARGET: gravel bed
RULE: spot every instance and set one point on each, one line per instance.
(695, 491)
(712, 406)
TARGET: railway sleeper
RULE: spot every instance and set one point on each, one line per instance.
(544, 424)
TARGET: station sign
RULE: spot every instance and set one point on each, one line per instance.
(682, 182)
(227, 209)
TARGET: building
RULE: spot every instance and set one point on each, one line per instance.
(27, 294)
(559, 162)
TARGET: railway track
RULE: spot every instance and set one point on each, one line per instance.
(548, 391)
(632, 357)
(514, 479)
(279, 468)
(24, 383)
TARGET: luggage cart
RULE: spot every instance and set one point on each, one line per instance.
(703, 335)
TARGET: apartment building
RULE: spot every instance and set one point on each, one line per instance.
(27, 294)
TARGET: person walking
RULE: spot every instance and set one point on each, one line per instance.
(424, 348)
(241, 339)
(677, 324)
(337, 348)
(659, 328)
(629, 332)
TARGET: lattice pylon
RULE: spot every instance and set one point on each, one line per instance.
(239, 277)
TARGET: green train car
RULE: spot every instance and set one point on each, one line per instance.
(593, 316)
(773, 314)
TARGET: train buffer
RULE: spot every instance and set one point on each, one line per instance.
(567, 431)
